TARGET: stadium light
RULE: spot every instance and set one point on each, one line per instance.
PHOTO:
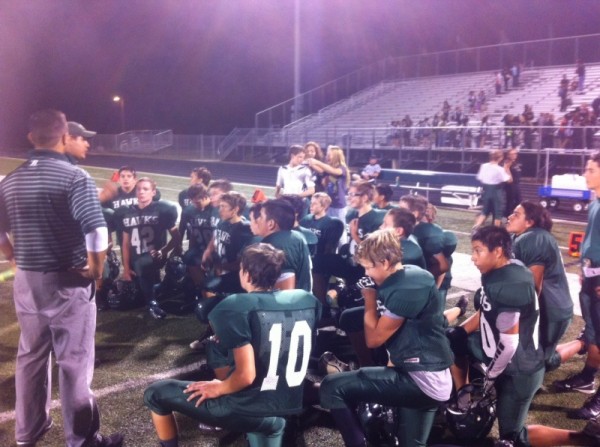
(121, 101)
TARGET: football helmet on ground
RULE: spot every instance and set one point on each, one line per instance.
(472, 412)
(123, 295)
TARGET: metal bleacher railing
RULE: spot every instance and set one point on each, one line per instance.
(543, 52)
(332, 112)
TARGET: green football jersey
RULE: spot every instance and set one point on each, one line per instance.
(388, 207)
(537, 246)
(328, 231)
(230, 240)
(367, 223)
(420, 344)
(196, 224)
(309, 237)
(450, 243)
(215, 217)
(297, 256)
(279, 326)
(147, 227)
(511, 289)
(431, 240)
(590, 247)
(183, 199)
(412, 253)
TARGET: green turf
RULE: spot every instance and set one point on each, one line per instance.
(132, 346)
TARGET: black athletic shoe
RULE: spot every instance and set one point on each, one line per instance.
(575, 383)
(592, 428)
(462, 304)
(114, 440)
(503, 443)
(156, 312)
(330, 364)
(590, 409)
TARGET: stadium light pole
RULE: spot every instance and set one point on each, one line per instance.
(121, 101)
(297, 114)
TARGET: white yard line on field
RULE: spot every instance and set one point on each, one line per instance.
(9, 416)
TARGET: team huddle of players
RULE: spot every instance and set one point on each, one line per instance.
(263, 273)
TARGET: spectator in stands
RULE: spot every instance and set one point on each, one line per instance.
(295, 177)
(313, 150)
(563, 93)
(446, 111)
(492, 176)
(394, 136)
(481, 100)
(587, 121)
(372, 170)
(510, 133)
(457, 116)
(336, 179)
(441, 132)
(198, 175)
(515, 71)
(512, 188)
(472, 101)
(546, 123)
(382, 197)
(596, 106)
(484, 132)
(498, 82)
(406, 124)
(425, 133)
(506, 77)
(580, 71)
(565, 131)
(526, 121)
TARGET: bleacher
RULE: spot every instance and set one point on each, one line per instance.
(366, 116)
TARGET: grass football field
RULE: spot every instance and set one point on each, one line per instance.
(133, 350)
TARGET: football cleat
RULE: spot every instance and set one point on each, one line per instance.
(156, 312)
(576, 382)
(330, 364)
(462, 304)
(114, 440)
(589, 410)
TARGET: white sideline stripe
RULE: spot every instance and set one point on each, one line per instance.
(9, 416)
(9, 328)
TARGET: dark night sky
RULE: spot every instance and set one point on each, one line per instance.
(206, 66)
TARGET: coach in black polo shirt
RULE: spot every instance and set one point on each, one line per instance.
(51, 208)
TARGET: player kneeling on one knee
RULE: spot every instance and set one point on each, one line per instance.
(417, 378)
(264, 383)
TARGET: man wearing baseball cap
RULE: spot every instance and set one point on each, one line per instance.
(77, 145)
